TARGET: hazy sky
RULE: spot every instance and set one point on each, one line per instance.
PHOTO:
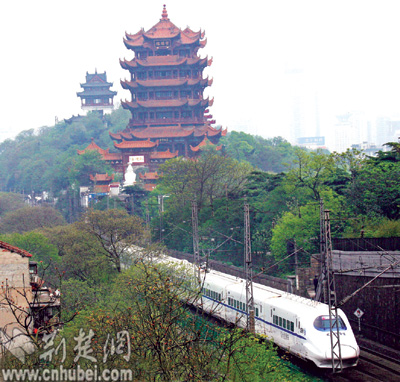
(349, 50)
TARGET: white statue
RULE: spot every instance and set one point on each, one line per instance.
(130, 176)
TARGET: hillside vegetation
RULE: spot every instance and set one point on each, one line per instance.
(282, 184)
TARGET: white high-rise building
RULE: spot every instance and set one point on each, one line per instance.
(350, 129)
(302, 105)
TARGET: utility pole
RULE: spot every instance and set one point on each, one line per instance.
(195, 228)
(296, 266)
(334, 324)
(161, 211)
(161, 216)
(248, 269)
(147, 215)
(320, 293)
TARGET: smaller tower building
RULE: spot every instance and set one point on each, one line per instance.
(96, 94)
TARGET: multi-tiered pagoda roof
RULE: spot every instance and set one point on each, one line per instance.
(169, 111)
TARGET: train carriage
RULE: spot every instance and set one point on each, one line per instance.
(296, 324)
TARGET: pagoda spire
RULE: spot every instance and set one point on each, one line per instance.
(164, 15)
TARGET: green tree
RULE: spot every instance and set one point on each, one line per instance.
(376, 190)
(82, 257)
(30, 218)
(85, 165)
(266, 154)
(302, 226)
(208, 178)
(308, 174)
(10, 202)
(36, 244)
(115, 231)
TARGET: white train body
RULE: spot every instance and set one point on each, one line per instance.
(294, 323)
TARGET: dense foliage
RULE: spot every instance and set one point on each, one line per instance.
(266, 154)
(46, 159)
(282, 184)
(92, 257)
(362, 194)
(135, 317)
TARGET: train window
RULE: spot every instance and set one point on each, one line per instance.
(229, 301)
(284, 323)
(240, 305)
(219, 297)
(280, 321)
(322, 323)
(256, 312)
(292, 326)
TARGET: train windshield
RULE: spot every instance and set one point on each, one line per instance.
(322, 323)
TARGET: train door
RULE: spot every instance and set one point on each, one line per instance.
(298, 331)
(258, 316)
(290, 328)
(269, 317)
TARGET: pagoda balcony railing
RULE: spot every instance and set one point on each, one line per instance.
(183, 98)
(146, 121)
(97, 104)
(144, 77)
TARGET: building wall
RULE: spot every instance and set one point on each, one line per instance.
(380, 303)
(15, 286)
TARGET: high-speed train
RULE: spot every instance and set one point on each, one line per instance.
(296, 324)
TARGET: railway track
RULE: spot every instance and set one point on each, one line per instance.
(372, 367)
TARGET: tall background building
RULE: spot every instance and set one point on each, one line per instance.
(303, 116)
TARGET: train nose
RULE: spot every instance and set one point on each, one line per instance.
(347, 352)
